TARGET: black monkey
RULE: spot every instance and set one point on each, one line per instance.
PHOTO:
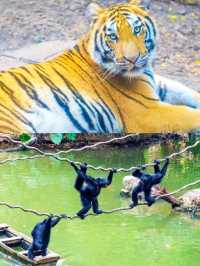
(90, 189)
(147, 181)
(41, 236)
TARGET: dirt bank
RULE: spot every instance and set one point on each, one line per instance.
(31, 21)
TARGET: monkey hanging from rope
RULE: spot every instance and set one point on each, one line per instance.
(90, 188)
(41, 236)
(147, 181)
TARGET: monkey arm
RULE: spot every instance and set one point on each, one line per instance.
(48, 223)
(80, 172)
(75, 167)
(83, 167)
(165, 166)
(157, 178)
(110, 176)
(55, 221)
(156, 166)
(104, 182)
(137, 173)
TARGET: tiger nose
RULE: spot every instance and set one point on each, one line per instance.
(131, 60)
(121, 62)
(125, 60)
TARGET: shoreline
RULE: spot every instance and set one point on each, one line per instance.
(44, 142)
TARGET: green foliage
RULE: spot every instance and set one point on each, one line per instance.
(71, 136)
(24, 137)
(56, 138)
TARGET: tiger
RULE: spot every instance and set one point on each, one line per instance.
(104, 84)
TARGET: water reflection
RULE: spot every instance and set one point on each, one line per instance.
(154, 236)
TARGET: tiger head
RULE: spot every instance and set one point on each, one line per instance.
(122, 38)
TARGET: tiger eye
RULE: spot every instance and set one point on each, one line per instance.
(137, 29)
(112, 37)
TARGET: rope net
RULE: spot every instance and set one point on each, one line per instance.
(57, 156)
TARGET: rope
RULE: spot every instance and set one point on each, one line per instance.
(21, 159)
(70, 150)
(3, 203)
(109, 212)
(179, 190)
(55, 155)
(64, 216)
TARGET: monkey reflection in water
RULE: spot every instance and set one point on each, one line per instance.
(90, 188)
(41, 237)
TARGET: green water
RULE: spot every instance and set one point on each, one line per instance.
(153, 236)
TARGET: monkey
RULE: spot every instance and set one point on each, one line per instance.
(147, 181)
(41, 237)
(90, 189)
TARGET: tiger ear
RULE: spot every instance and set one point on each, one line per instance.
(141, 3)
(93, 10)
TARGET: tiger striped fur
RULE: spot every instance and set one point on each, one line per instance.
(104, 84)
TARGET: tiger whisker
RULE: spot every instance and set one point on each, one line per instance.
(107, 74)
(111, 74)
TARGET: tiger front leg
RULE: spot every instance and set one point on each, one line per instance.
(173, 92)
(173, 118)
(143, 112)
(163, 118)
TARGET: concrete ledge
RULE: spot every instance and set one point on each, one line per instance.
(33, 53)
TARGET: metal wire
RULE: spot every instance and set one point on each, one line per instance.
(62, 216)
(56, 155)
(110, 211)
(179, 190)
(70, 150)
(3, 203)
